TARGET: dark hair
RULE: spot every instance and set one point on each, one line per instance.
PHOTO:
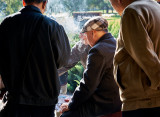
(32, 1)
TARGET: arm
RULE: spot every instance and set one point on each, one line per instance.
(1, 45)
(60, 45)
(73, 59)
(3, 29)
(3, 32)
(140, 46)
(92, 77)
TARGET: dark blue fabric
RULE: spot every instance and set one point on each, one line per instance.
(63, 79)
(18, 110)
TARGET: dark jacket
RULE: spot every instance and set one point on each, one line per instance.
(31, 77)
(98, 85)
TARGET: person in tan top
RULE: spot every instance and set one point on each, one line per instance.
(137, 57)
(158, 1)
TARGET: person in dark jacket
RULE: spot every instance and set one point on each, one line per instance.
(97, 93)
(32, 48)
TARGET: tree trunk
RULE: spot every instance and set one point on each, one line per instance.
(107, 9)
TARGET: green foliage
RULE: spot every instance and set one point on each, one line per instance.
(77, 81)
(74, 76)
(85, 5)
(74, 37)
(70, 88)
(2, 5)
(80, 69)
(114, 26)
(10, 6)
(104, 5)
(74, 5)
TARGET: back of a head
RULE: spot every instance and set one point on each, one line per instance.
(34, 1)
(95, 23)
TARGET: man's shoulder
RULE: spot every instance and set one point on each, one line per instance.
(8, 20)
(108, 41)
(138, 7)
(49, 21)
(11, 16)
(104, 47)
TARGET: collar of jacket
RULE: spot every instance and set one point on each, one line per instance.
(105, 36)
(30, 8)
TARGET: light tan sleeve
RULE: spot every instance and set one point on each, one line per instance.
(140, 46)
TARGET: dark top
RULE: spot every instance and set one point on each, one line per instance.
(38, 84)
(98, 85)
